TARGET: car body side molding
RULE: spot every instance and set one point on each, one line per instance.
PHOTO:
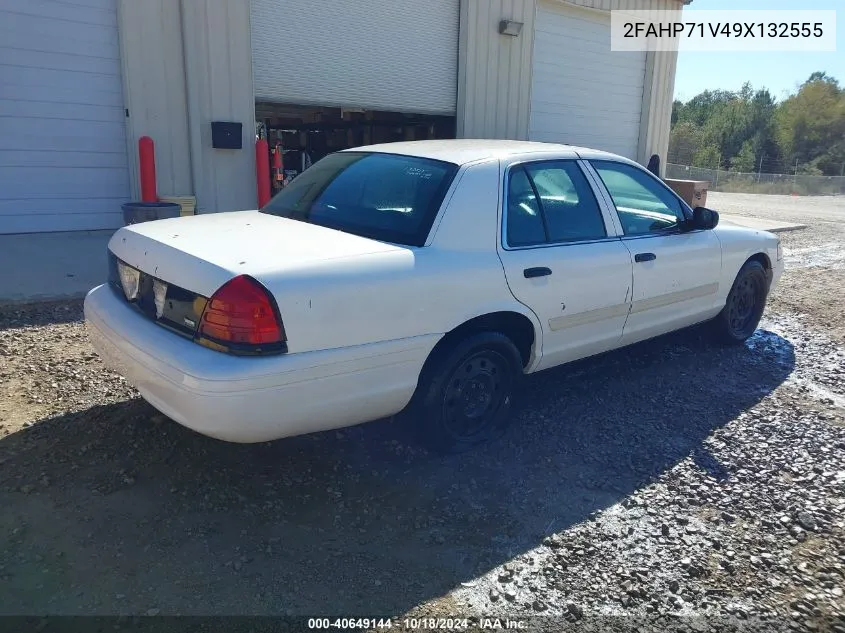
(591, 316)
(674, 297)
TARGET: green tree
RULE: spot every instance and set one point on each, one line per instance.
(822, 76)
(744, 161)
(684, 142)
(677, 107)
(746, 125)
(708, 156)
(701, 108)
(811, 125)
(727, 128)
(762, 130)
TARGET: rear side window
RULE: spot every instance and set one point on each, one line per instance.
(387, 197)
(525, 222)
(551, 202)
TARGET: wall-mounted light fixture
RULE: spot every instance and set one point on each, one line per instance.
(509, 27)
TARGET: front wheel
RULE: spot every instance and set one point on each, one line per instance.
(466, 393)
(744, 307)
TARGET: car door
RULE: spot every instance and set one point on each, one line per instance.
(676, 272)
(563, 259)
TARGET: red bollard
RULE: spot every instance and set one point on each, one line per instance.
(147, 168)
(262, 171)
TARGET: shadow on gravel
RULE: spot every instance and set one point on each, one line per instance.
(15, 315)
(117, 510)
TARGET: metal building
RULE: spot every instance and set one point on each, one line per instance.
(82, 80)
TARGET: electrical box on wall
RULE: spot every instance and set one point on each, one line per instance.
(226, 135)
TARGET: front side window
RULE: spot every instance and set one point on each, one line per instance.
(644, 206)
(551, 202)
(387, 197)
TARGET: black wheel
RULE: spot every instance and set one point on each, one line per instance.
(465, 396)
(745, 304)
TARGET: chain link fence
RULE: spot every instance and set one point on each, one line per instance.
(738, 182)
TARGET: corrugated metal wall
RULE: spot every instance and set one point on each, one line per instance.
(218, 65)
(186, 64)
(190, 62)
(615, 5)
(154, 91)
(657, 107)
(494, 72)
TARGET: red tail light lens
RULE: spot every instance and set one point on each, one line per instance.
(242, 312)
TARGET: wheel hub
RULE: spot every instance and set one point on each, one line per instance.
(474, 394)
(742, 305)
(477, 396)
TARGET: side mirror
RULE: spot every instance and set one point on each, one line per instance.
(703, 219)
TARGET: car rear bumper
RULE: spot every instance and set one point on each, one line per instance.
(253, 399)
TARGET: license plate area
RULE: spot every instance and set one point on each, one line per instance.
(168, 305)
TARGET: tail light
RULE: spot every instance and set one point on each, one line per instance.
(242, 317)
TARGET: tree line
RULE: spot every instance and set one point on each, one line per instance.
(748, 131)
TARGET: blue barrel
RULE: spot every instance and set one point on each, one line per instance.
(135, 212)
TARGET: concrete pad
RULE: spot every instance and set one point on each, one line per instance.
(44, 266)
(761, 224)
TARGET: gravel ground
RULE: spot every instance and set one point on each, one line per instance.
(815, 256)
(674, 478)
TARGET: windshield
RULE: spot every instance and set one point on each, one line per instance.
(387, 197)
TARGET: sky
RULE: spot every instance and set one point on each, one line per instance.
(781, 73)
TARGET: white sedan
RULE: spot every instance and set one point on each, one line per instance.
(423, 277)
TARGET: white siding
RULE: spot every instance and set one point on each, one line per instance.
(188, 63)
(615, 5)
(382, 54)
(657, 107)
(494, 82)
(63, 162)
(582, 93)
(155, 92)
(218, 70)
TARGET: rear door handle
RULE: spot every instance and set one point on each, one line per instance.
(540, 271)
(644, 257)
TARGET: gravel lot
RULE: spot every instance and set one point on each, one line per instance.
(674, 477)
(815, 256)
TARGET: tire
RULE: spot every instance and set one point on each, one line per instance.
(465, 396)
(744, 307)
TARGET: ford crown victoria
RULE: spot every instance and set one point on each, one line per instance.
(423, 278)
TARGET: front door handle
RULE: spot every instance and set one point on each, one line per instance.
(541, 271)
(644, 257)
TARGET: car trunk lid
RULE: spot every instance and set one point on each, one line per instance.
(169, 269)
(201, 253)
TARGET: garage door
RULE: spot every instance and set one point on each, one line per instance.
(396, 55)
(63, 163)
(581, 92)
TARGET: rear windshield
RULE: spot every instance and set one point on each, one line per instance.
(387, 197)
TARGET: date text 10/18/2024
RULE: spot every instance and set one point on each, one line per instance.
(418, 624)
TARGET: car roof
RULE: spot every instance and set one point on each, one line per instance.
(463, 151)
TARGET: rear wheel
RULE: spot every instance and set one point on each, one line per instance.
(466, 394)
(745, 304)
